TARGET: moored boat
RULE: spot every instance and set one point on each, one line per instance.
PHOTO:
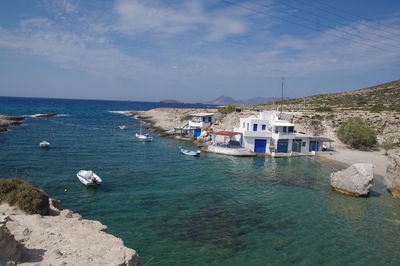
(190, 152)
(88, 178)
(44, 144)
(122, 127)
(143, 137)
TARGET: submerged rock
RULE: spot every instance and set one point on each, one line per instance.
(44, 115)
(355, 180)
(392, 177)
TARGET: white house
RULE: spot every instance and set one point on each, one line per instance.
(197, 124)
(266, 133)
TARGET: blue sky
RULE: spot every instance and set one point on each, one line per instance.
(194, 50)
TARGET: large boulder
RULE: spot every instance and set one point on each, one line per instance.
(392, 178)
(355, 180)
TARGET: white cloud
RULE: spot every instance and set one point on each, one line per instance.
(90, 47)
(137, 17)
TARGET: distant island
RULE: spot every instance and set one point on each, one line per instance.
(226, 100)
(171, 101)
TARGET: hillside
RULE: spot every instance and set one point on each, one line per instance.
(383, 97)
(227, 100)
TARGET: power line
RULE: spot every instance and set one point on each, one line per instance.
(372, 41)
(346, 18)
(296, 23)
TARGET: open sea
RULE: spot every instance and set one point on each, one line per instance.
(180, 210)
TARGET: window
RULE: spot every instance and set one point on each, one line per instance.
(255, 127)
(247, 126)
(303, 144)
(244, 124)
(284, 129)
(290, 129)
(263, 127)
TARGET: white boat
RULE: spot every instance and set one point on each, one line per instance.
(136, 117)
(44, 144)
(88, 178)
(143, 137)
(122, 127)
(190, 152)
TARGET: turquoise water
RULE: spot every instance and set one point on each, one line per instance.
(179, 210)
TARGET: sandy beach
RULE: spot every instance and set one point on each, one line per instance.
(343, 158)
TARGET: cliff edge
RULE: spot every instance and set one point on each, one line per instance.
(62, 238)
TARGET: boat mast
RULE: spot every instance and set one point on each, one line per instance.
(282, 96)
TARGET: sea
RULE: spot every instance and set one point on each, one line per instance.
(181, 210)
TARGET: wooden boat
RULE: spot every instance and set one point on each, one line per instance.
(190, 152)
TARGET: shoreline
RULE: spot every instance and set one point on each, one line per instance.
(57, 239)
(163, 120)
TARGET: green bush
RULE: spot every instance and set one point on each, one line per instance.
(324, 109)
(377, 108)
(227, 109)
(387, 145)
(356, 133)
(29, 199)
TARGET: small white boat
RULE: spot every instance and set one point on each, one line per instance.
(44, 144)
(190, 152)
(136, 117)
(122, 127)
(143, 137)
(88, 178)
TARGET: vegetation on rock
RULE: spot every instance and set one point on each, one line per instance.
(29, 199)
(324, 109)
(387, 145)
(357, 134)
(227, 109)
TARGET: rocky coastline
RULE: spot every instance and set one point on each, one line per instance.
(60, 238)
(8, 121)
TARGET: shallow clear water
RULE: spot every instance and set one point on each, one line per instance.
(179, 210)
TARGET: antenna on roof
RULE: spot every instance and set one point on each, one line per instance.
(282, 96)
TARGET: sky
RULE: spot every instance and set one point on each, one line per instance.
(195, 50)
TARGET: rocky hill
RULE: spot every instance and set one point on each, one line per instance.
(322, 114)
(383, 97)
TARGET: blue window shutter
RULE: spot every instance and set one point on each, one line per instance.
(263, 127)
(254, 127)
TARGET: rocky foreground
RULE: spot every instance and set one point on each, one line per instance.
(62, 238)
(7, 121)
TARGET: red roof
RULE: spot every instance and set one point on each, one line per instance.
(226, 133)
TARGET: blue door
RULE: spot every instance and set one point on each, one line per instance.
(197, 132)
(260, 145)
(283, 145)
(314, 146)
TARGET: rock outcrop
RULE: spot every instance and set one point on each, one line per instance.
(44, 115)
(61, 239)
(355, 180)
(10, 249)
(392, 177)
(6, 121)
